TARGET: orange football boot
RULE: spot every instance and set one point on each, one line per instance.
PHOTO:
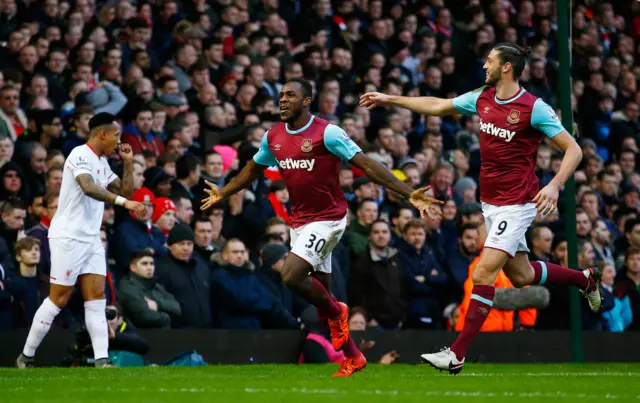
(340, 328)
(351, 365)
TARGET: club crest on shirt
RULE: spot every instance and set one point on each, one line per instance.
(307, 145)
(486, 109)
(514, 117)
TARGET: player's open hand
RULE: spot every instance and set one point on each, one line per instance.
(547, 199)
(214, 196)
(125, 151)
(139, 209)
(424, 204)
(372, 100)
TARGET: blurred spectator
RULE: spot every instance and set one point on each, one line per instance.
(145, 302)
(203, 238)
(424, 277)
(541, 241)
(626, 284)
(186, 277)
(25, 284)
(240, 300)
(357, 234)
(134, 234)
(139, 134)
(12, 218)
(164, 215)
(458, 260)
(619, 316)
(376, 282)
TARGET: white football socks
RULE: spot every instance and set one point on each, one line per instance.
(96, 321)
(42, 321)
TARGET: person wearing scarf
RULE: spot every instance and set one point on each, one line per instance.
(279, 200)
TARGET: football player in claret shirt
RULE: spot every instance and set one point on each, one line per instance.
(512, 125)
(309, 152)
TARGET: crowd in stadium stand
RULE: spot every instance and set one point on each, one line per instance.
(195, 84)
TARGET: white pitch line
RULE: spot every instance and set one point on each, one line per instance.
(315, 391)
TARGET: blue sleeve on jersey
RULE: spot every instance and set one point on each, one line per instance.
(544, 118)
(339, 143)
(264, 156)
(466, 103)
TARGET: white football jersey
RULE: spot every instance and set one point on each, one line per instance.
(79, 216)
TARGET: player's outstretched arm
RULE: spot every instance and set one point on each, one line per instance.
(91, 189)
(249, 173)
(383, 177)
(424, 105)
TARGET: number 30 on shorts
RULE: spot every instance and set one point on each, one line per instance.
(315, 243)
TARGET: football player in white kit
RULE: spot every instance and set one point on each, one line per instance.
(77, 254)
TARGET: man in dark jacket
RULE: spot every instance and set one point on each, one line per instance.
(460, 259)
(186, 276)
(424, 278)
(272, 257)
(135, 234)
(145, 302)
(377, 280)
(240, 300)
(12, 221)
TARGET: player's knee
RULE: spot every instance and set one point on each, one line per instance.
(94, 295)
(520, 280)
(60, 296)
(482, 276)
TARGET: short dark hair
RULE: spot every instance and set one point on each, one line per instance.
(101, 119)
(628, 226)
(367, 200)
(514, 54)
(305, 85)
(467, 226)
(12, 204)
(139, 254)
(49, 196)
(415, 223)
(185, 165)
(200, 219)
(379, 221)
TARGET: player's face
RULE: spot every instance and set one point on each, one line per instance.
(111, 139)
(493, 68)
(292, 102)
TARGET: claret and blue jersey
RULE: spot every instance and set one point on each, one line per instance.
(309, 160)
(511, 131)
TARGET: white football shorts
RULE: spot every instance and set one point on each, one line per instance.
(71, 258)
(507, 226)
(315, 241)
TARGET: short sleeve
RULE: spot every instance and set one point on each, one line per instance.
(110, 175)
(466, 103)
(264, 156)
(339, 143)
(544, 118)
(79, 163)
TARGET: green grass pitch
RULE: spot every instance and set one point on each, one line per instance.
(313, 383)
